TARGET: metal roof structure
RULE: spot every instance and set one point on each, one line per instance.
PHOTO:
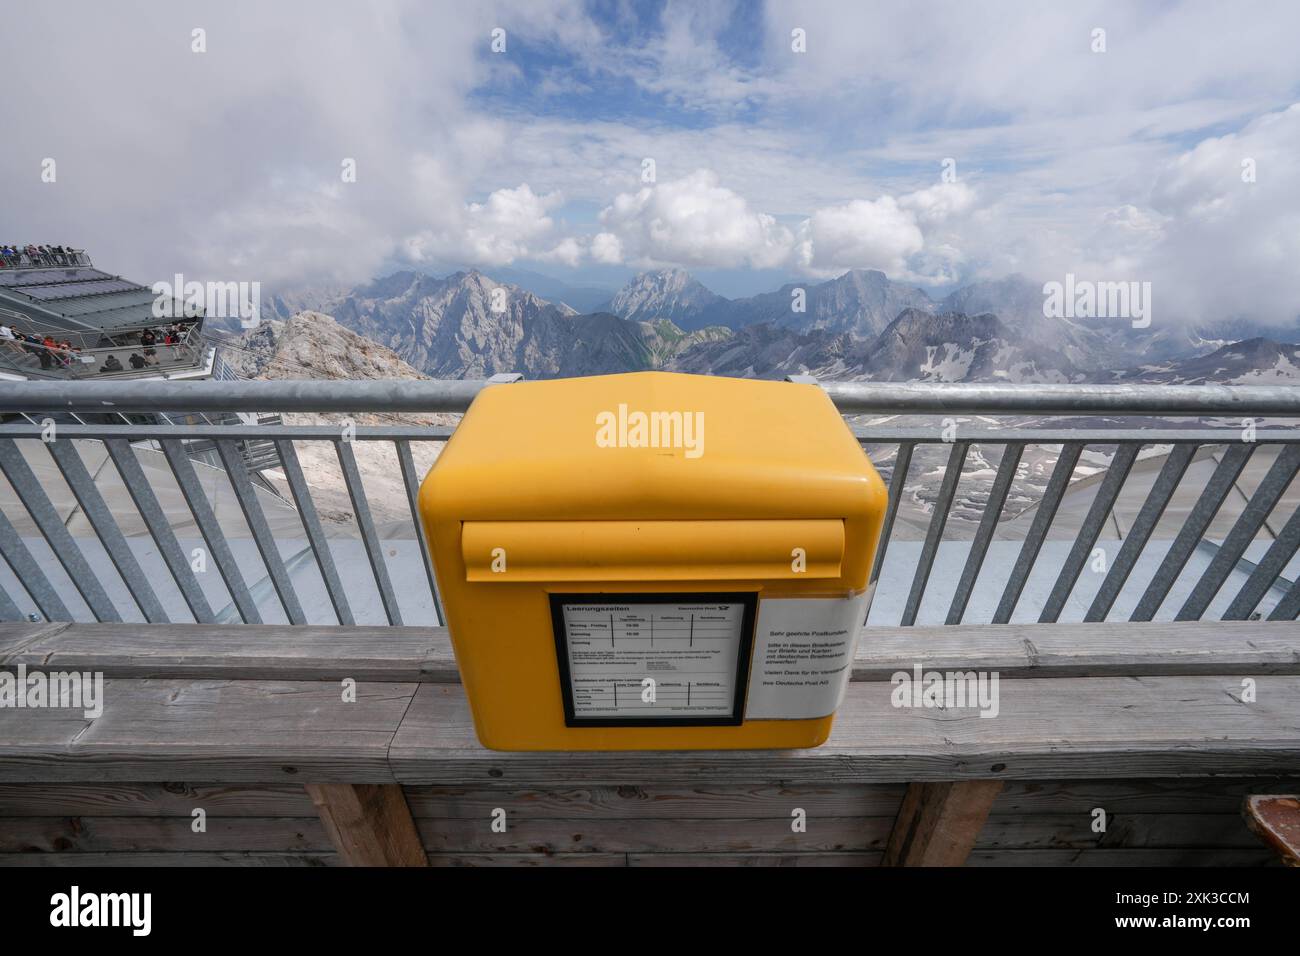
(77, 298)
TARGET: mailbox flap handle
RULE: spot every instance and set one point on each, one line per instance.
(728, 550)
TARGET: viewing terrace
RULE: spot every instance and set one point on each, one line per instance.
(1158, 681)
(69, 320)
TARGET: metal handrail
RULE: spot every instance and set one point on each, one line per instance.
(900, 450)
(1006, 399)
(851, 398)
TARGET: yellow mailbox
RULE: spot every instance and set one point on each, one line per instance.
(653, 561)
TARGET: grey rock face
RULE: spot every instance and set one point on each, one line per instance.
(671, 294)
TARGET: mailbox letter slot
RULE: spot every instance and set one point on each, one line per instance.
(652, 550)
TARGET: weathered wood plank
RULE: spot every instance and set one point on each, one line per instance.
(755, 859)
(263, 731)
(153, 800)
(1133, 830)
(1135, 857)
(79, 834)
(17, 636)
(1216, 795)
(75, 835)
(1104, 727)
(655, 836)
(1054, 858)
(938, 823)
(240, 652)
(169, 859)
(1020, 798)
(319, 652)
(528, 859)
(369, 824)
(1275, 819)
(756, 801)
(1112, 649)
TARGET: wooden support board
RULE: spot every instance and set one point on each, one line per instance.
(369, 824)
(938, 823)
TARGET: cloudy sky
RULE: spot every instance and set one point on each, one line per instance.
(940, 142)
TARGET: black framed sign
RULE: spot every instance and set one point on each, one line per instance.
(654, 660)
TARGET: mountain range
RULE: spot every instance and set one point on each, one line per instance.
(860, 325)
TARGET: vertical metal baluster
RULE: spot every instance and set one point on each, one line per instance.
(1242, 534)
(1042, 522)
(201, 508)
(146, 503)
(1276, 558)
(374, 550)
(1120, 465)
(1289, 607)
(412, 483)
(934, 533)
(8, 609)
(902, 461)
(256, 520)
(29, 573)
(984, 534)
(101, 519)
(1162, 490)
(56, 535)
(315, 533)
(1198, 519)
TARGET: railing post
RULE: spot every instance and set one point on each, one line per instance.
(938, 823)
(369, 824)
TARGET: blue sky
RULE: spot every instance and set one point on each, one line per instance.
(1119, 159)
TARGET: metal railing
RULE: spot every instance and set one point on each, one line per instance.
(87, 358)
(22, 259)
(1218, 432)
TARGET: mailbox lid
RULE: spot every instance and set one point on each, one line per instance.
(721, 448)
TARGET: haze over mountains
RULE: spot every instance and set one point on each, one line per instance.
(860, 325)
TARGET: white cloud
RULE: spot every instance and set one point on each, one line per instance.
(607, 248)
(1226, 246)
(816, 162)
(697, 221)
(939, 202)
(694, 221)
(511, 224)
(864, 233)
(500, 230)
(567, 251)
(229, 168)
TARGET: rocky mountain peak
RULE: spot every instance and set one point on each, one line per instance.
(313, 345)
(672, 294)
